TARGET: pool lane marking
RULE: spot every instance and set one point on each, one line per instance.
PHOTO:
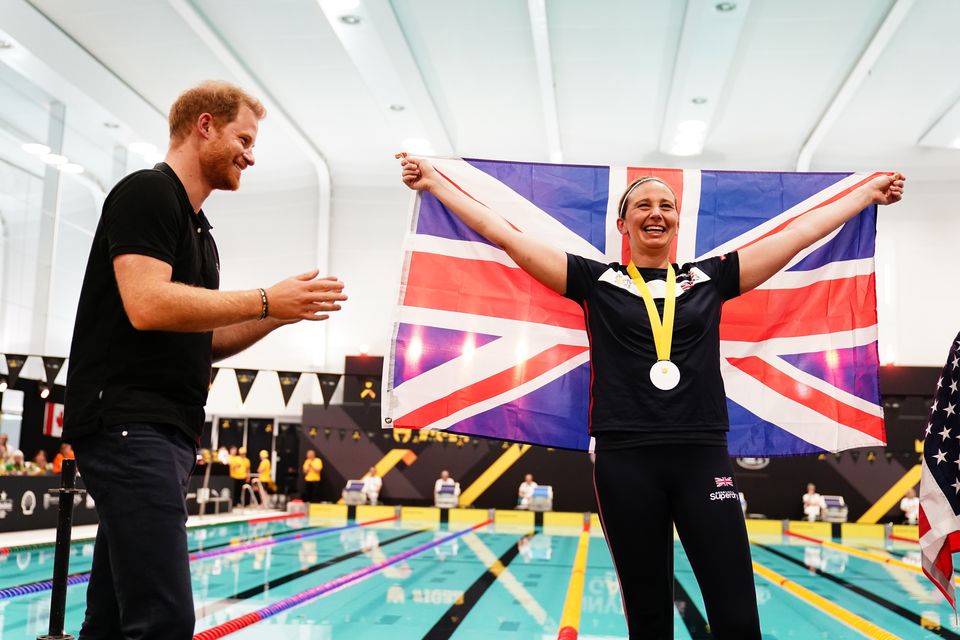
(848, 618)
(507, 579)
(903, 612)
(81, 578)
(222, 603)
(202, 555)
(450, 620)
(347, 580)
(570, 618)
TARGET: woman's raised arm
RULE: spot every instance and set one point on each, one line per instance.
(762, 259)
(545, 263)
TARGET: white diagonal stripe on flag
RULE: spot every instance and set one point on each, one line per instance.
(516, 209)
(823, 386)
(764, 228)
(490, 325)
(791, 416)
(832, 271)
(811, 343)
(513, 394)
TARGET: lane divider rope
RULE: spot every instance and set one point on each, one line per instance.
(849, 618)
(866, 555)
(80, 578)
(259, 615)
(570, 619)
(40, 545)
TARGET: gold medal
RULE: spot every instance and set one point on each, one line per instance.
(664, 374)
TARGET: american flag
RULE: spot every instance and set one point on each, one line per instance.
(480, 348)
(940, 480)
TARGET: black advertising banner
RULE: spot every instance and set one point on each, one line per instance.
(25, 504)
(328, 384)
(288, 382)
(245, 378)
(51, 367)
(14, 367)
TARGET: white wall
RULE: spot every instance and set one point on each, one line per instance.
(918, 299)
(266, 232)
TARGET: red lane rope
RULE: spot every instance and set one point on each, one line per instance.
(236, 624)
(901, 539)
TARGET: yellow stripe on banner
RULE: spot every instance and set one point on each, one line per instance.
(390, 460)
(907, 531)
(464, 518)
(850, 619)
(764, 527)
(891, 497)
(850, 530)
(570, 619)
(494, 471)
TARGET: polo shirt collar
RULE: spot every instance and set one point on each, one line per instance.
(198, 217)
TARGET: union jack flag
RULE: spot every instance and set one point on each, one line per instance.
(723, 481)
(480, 348)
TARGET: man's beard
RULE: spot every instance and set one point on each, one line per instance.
(219, 170)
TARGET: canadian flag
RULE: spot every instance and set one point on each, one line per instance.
(53, 420)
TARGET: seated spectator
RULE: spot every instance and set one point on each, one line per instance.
(525, 491)
(812, 503)
(39, 466)
(910, 505)
(445, 479)
(372, 483)
(451, 491)
(16, 466)
(66, 453)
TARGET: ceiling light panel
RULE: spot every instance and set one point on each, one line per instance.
(707, 48)
(373, 40)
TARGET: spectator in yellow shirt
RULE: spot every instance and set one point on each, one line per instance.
(239, 470)
(263, 471)
(312, 467)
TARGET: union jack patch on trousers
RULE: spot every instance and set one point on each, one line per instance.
(725, 481)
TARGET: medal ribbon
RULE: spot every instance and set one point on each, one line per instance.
(662, 331)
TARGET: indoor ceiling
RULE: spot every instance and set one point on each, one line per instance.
(758, 84)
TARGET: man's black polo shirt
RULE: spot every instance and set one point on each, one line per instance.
(118, 374)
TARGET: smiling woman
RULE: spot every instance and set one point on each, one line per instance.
(658, 408)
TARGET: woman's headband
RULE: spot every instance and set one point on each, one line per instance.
(623, 203)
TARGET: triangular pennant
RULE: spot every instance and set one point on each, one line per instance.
(213, 376)
(855, 455)
(51, 367)
(328, 384)
(245, 378)
(288, 382)
(14, 367)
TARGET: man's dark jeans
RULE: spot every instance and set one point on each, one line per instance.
(140, 582)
